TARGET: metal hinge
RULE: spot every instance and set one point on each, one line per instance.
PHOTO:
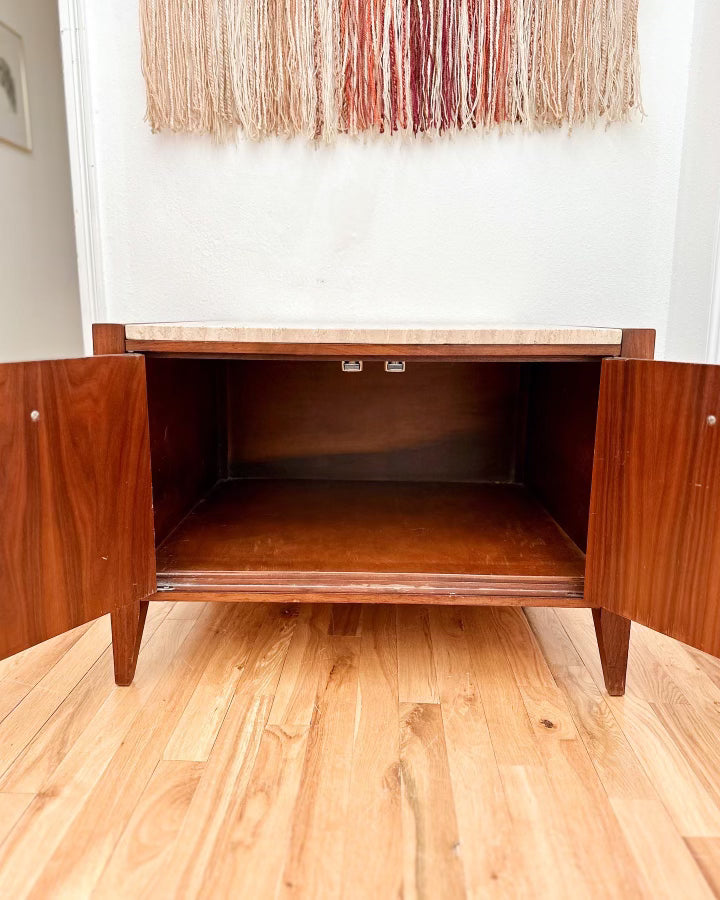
(394, 365)
(352, 365)
(164, 588)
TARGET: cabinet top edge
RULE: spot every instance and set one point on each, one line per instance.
(487, 335)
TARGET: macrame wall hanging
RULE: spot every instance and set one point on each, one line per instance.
(320, 68)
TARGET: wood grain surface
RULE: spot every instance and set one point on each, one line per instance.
(611, 630)
(309, 351)
(638, 343)
(108, 339)
(496, 766)
(128, 623)
(186, 411)
(434, 422)
(76, 531)
(561, 417)
(654, 536)
(276, 534)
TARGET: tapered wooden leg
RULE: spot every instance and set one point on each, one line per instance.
(127, 625)
(613, 637)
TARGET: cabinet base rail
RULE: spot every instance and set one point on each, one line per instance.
(376, 585)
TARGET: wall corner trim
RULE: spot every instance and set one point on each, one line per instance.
(78, 102)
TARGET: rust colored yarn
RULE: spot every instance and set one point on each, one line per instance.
(320, 68)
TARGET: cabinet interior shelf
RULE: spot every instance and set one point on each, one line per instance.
(472, 538)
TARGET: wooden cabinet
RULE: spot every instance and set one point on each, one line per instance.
(76, 524)
(558, 467)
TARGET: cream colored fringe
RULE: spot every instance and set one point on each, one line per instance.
(322, 67)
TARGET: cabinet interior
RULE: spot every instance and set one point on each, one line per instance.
(446, 469)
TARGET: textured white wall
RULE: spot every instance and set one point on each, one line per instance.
(39, 300)
(699, 195)
(545, 228)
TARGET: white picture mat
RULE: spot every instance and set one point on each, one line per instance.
(14, 109)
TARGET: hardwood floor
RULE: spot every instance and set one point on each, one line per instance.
(376, 751)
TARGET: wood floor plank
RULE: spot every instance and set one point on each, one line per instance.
(558, 650)
(305, 664)
(663, 861)
(529, 666)
(314, 866)
(32, 664)
(695, 735)
(511, 731)
(541, 852)
(372, 864)
(706, 853)
(79, 858)
(659, 853)
(483, 818)
(543, 700)
(694, 682)
(431, 841)
(417, 681)
(20, 726)
(546, 867)
(146, 841)
(523, 779)
(68, 670)
(571, 774)
(220, 793)
(693, 810)
(594, 831)
(24, 722)
(252, 846)
(709, 664)
(612, 755)
(195, 733)
(345, 619)
(46, 751)
(39, 831)
(647, 678)
(12, 806)
(188, 610)
(615, 762)
(11, 693)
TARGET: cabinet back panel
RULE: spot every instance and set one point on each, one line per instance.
(436, 421)
(187, 435)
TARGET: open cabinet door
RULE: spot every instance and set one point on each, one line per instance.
(654, 538)
(76, 525)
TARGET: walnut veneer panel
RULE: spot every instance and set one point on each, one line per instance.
(76, 529)
(562, 411)
(654, 538)
(187, 434)
(437, 421)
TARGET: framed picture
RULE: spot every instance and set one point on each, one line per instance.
(14, 108)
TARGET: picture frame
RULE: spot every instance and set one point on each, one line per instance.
(14, 104)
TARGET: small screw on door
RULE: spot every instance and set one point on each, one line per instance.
(711, 420)
(34, 415)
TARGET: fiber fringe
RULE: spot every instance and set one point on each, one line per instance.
(320, 68)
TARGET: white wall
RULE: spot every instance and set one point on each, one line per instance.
(39, 300)
(546, 228)
(699, 195)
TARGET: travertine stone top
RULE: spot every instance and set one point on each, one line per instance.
(228, 332)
